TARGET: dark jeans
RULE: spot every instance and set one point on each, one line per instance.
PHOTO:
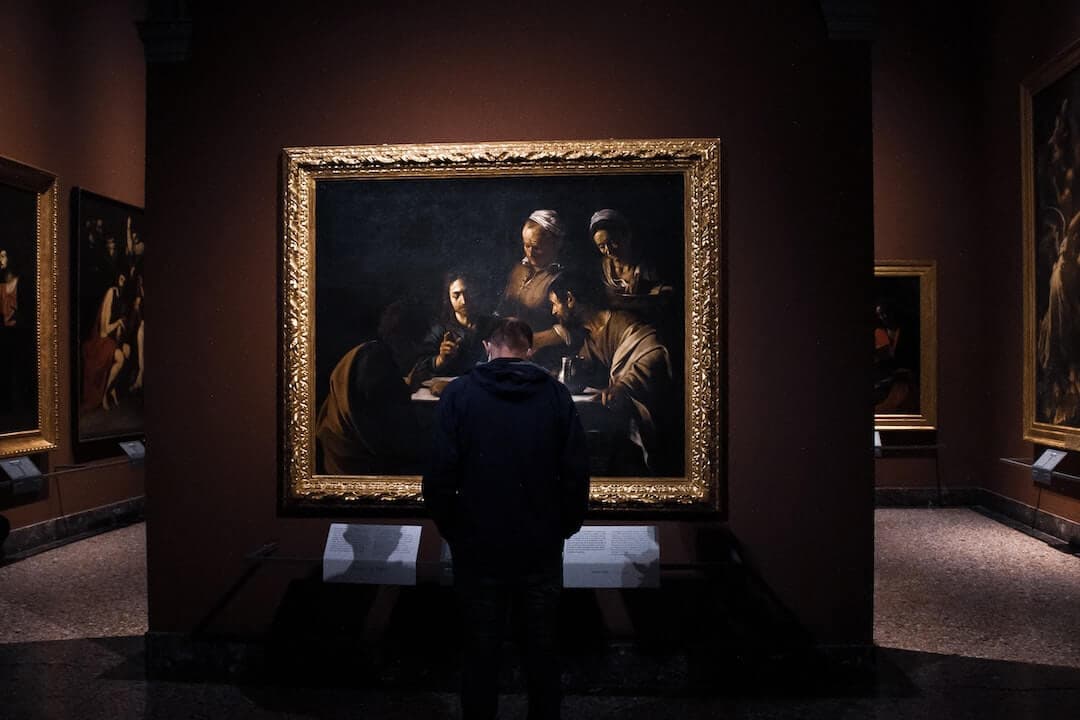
(485, 604)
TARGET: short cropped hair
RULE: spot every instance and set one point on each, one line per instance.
(512, 333)
(585, 288)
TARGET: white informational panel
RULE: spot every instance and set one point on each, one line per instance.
(371, 554)
(612, 556)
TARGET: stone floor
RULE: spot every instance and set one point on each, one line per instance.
(975, 620)
(955, 582)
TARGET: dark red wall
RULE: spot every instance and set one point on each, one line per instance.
(793, 112)
(73, 83)
(927, 162)
(947, 187)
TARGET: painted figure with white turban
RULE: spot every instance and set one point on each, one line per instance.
(526, 294)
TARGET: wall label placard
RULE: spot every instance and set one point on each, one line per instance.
(371, 554)
(612, 556)
(1042, 471)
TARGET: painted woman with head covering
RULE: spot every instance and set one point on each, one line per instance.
(625, 271)
(526, 294)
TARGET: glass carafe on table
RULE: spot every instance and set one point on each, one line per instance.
(570, 372)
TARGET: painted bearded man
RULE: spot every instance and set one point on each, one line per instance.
(624, 356)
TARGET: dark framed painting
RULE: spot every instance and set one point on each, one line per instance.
(1050, 138)
(394, 259)
(28, 314)
(107, 357)
(905, 345)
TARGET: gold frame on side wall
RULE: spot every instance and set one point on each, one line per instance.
(926, 274)
(44, 185)
(1048, 97)
(696, 161)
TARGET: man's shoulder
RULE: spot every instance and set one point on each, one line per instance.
(622, 318)
(456, 386)
(623, 323)
(517, 271)
(559, 389)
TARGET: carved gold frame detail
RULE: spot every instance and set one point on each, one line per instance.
(697, 160)
(45, 186)
(926, 273)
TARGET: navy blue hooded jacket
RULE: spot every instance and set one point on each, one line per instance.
(509, 478)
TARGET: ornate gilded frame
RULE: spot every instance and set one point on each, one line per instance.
(1038, 88)
(44, 185)
(925, 272)
(696, 160)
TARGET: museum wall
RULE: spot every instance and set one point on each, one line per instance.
(947, 188)
(793, 112)
(926, 199)
(1021, 40)
(73, 83)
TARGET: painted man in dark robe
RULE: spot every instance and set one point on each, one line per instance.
(367, 425)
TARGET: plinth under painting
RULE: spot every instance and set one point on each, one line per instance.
(397, 257)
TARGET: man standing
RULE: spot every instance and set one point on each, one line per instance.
(507, 484)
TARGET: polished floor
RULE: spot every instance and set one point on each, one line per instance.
(975, 620)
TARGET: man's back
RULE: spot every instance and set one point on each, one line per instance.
(509, 477)
(508, 482)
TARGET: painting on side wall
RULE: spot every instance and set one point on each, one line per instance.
(28, 314)
(107, 324)
(396, 258)
(1050, 122)
(905, 345)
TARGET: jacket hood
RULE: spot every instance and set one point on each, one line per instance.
(510, 377)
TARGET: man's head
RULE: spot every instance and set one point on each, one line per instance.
(458, 294)
(574, 298)
(509, 338)
(610, 233)
(3, 259)
(541, 238)
(402, 325)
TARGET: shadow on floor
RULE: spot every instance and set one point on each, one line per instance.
(103, 678)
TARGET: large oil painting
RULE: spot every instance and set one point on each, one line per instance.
(1050, 114)
(396, 258)
(905, 345)
(28, 325)
(107, 324)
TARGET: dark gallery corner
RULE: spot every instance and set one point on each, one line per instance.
(703, 210)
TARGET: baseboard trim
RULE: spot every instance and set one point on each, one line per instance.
(32, 539)
(1051, 528)
(903, 497)
(1061, 529)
